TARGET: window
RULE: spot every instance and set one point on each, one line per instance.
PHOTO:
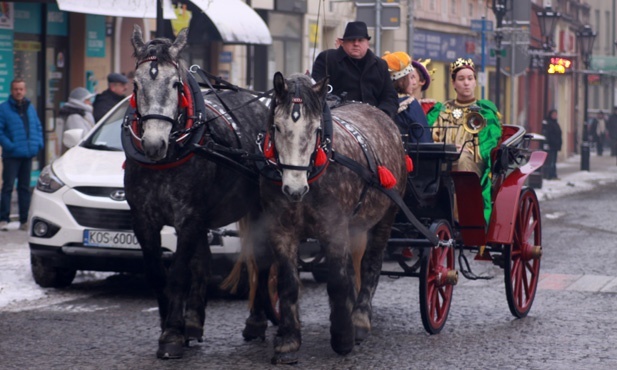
(452, 6)
(470, 10)
(432, 5)
(596, 44)
(607, 32)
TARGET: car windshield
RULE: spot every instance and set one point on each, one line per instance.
(107, 135)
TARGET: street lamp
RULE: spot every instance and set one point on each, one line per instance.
(547, 19)
(585, 37)
(500, 8)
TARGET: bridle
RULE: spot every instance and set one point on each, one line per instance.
(185, 102)
(320, 158)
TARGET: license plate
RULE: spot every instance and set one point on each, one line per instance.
(110, 239)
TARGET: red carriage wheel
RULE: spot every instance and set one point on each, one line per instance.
(437, 279)
(522, 258)
(273, 309)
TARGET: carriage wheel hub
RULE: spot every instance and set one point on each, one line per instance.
(529, 252)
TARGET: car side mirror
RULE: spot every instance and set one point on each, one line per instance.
(72, 137)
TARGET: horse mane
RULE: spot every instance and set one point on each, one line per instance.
(312, 102)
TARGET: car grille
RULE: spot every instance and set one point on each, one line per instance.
(96, 191)
(112, 219)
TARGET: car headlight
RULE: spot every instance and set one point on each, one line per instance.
(48, 182)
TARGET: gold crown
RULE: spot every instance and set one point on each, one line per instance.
(425, 63)
(462, 63)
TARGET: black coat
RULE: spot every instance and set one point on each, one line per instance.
(104, 102)
(552, 132)
(370, 85)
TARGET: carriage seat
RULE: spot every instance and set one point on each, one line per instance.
(512, 138)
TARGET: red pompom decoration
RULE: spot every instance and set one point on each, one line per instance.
(408, 163)
(268, 149)
(320, 158)
(183, 102)
(133, 101)
(386, 178)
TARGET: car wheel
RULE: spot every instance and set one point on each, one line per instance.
(48, 276)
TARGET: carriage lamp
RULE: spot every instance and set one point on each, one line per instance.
(585, 37)
(500, 9)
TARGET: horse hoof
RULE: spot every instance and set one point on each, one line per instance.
(193, 333)
(361, 334)
(340, 346)
(169, 351)
(255, 330)
(289, 358)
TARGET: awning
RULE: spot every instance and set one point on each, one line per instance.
(237, 22)
(118, 8)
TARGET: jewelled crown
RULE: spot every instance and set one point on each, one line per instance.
(462, 63)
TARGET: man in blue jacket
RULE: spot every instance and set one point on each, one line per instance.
(21, 138)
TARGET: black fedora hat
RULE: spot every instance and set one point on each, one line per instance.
(356, 30)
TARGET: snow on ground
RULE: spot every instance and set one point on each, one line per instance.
(18, 290)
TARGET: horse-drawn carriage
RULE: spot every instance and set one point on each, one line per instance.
(339, 178)
(511, 240)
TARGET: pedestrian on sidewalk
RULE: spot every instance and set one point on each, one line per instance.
(598, 130)
(21, 138)
(552, 133)
(76, 113)
(118, 85)
(611, 127)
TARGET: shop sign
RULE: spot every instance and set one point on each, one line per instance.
(95, 36)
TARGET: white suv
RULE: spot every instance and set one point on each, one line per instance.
(79, 218)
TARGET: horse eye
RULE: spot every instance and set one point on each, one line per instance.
(277, 128)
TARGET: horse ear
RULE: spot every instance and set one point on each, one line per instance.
(179, 43)
(138, 39)
(280, 86)
(321, 87)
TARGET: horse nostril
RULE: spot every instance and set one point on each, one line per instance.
(286, 190)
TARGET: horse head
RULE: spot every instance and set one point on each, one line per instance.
(159, 91)
(296, 129)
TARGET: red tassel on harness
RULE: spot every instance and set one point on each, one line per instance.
(320, 158)
(133, 101)
(268, 149)
(408, 163)
(386, 178)
(183, 101)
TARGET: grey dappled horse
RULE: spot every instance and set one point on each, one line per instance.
(336, 206)
(167, 185)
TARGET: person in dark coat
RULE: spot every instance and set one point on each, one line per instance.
(552, 133)
(612, 132)
(117, 86)
(410, 117)
(355, 72)
(21, 138)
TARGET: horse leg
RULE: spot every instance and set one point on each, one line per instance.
(358, 247)
(370, 272)
(288, 337)
(150, 241)
(341, 293)
(172, 339)
(195, 314)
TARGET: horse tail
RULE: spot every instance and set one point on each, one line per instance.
(244, 264)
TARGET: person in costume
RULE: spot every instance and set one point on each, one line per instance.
(423, 76)
(410, 117)
(447, 119)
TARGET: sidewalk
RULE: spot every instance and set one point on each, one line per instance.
(572, 180)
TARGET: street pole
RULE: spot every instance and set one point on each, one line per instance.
(378, 27)
(160, 25)
(483, 62)
(499, 8)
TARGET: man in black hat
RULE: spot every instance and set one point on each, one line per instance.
(356, 72)
(117, 86)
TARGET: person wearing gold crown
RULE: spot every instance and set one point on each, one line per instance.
(447, 119)
(410, 117)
